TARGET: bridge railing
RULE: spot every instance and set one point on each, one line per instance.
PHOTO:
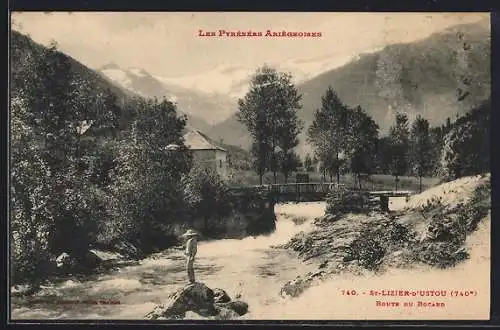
(304, 188)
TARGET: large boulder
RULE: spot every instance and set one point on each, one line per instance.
(225, 314)
(200, 299)
(221, 296)
(296, 287)
(66, 263)
(128, 250)
(90, 260)
(239, 307)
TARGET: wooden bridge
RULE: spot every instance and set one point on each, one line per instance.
(317, 191)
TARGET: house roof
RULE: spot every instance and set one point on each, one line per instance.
(196, 140)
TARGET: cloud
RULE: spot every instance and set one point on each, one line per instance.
(167, 44)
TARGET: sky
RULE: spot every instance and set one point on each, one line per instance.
(167, 43)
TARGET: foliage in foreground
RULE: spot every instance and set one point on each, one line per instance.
(443, 243)
(90, 170)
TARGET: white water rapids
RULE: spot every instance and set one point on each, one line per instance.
(251, 268)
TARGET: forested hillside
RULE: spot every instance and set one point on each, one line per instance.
(89, 167)
(440, 77)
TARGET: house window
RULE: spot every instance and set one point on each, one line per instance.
(220, 163)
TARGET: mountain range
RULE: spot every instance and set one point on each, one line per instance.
(424, 77)
(441, 76)
(203, 110)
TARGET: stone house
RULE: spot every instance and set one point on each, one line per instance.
(207, 153)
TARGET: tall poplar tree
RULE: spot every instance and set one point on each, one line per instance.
(399, 146)
(421, 149)
(269, 112)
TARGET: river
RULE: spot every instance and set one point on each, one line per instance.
(250, 267)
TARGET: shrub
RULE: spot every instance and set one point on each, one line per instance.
(466, 147)
(432, 203)
(477, 207)
(347, 201)
(447, 231)
(206, 194)
(368, 251)
(440, 254)
(373, 243)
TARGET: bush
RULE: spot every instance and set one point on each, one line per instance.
(373, 243)
(206, 195)
(368, 251)
(447, 231)
(440, 254)
(466, 148)
(477, 207)
(432, 204)
(346, 202)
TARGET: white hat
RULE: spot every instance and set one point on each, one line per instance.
(190, 233)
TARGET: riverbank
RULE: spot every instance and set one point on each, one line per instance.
(255, 269)
(439, 238)
(247, 268)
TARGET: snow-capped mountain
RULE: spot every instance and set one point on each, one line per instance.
(212, 95)
(211, 108)
(233, 81)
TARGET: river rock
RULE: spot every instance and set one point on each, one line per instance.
(200, 299)
(294, 288)
(23, 290)
(64, 260)
(128, 249)
(220, 296)
(239, 307)
(226, 314)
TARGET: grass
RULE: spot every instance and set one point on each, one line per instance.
(374, 182)
(356, 242)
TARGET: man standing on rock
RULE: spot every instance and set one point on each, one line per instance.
(191, 249)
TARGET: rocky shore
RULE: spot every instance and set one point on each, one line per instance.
(355, 237)
(201, 300)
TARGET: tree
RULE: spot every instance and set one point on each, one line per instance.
(53, 188)
(308, 163)
(421, 148)
(399, 146)
(466, 149)
(30, 216)
(383, 155)
(147, 198)
(268, 111)
(260, 153)
(289, 162)
(329, 133)
(364, 135)
(288, 124)
(206, 193)
(57, 103)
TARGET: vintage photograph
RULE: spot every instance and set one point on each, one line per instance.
(249, 166)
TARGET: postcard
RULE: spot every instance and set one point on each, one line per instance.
(249, 166)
